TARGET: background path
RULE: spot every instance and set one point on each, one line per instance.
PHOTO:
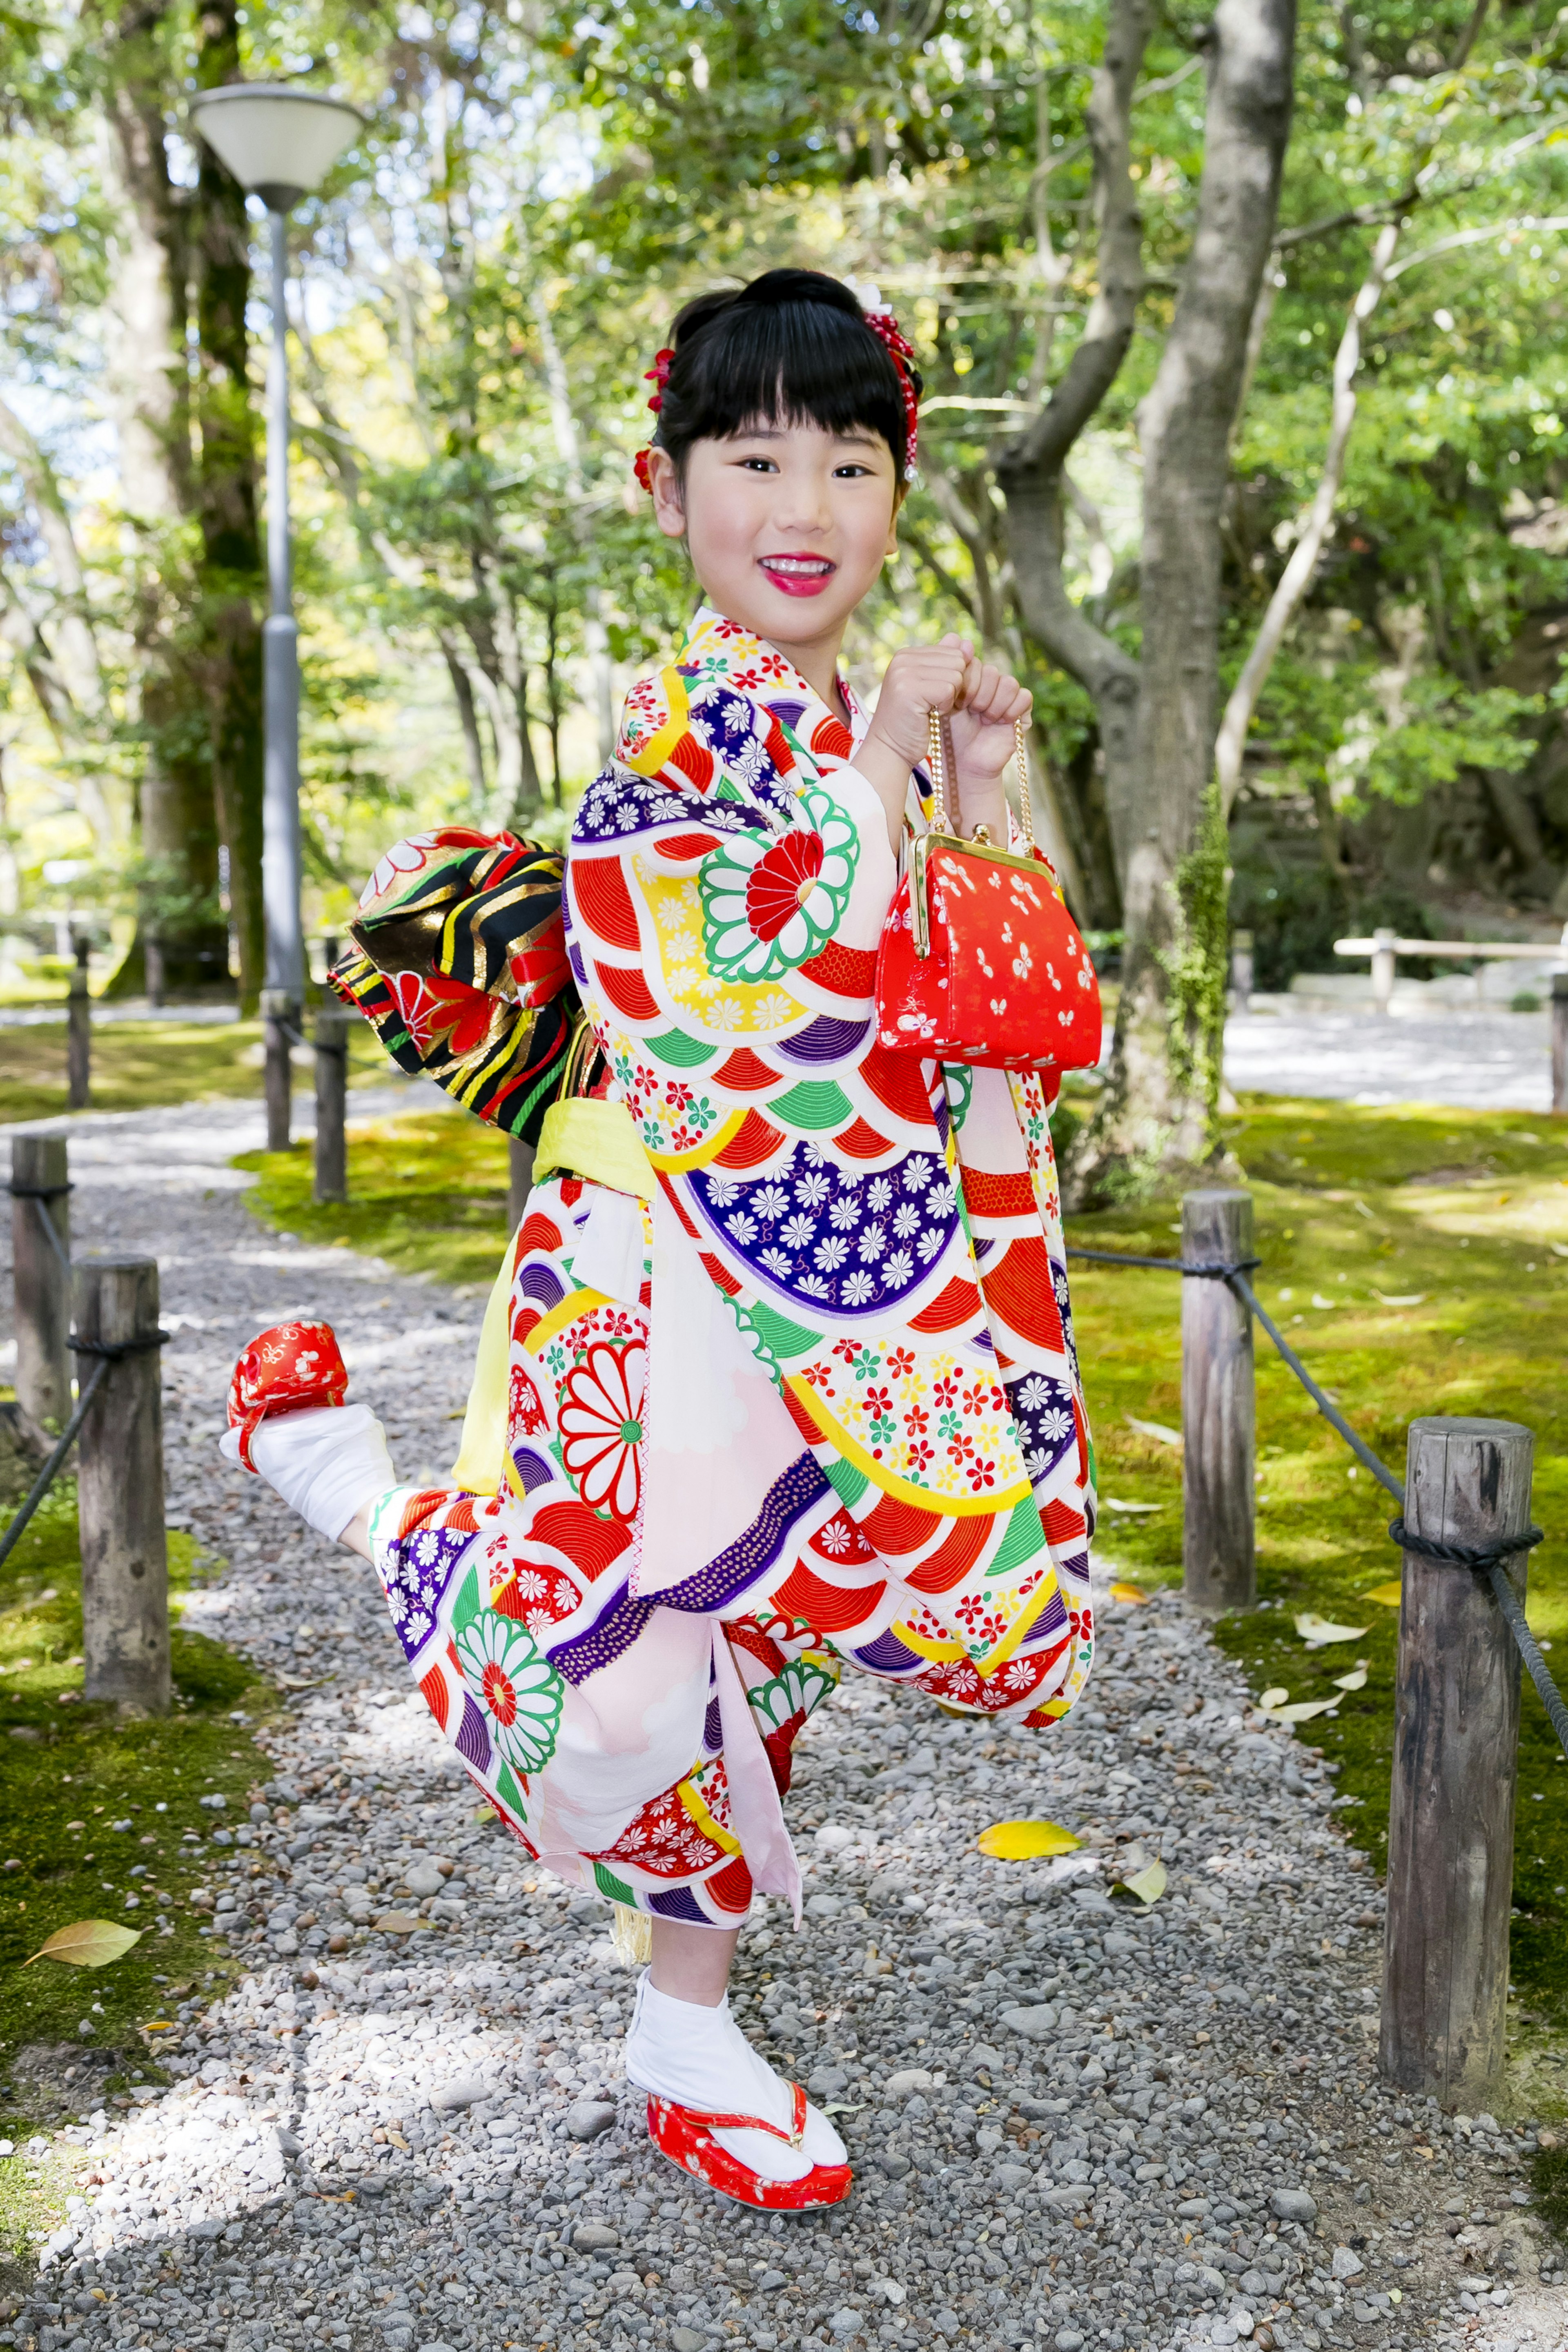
(421, 2139)
(1483, 1061)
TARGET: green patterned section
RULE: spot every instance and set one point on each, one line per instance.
(847, 1483)
(779, 1336)
(1024, 1538)
(615, 1888)
(509, 1793)
(684, 1053)
(816, 1103)
(467, 1604)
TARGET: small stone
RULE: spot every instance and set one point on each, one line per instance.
(687, 2339)
(908, 2079)
(463, 2091)
(832, 1838)
(589, 2118)
(893, 2166)
(825, 2082)
(1013, 2175)
(423, 1879)
(397, 1923)
(771, 2282)
(1068, 2339)
(1035, 2023)
(1347, 2263)
(592, 2237)
(1293, 2205)
(846, 2322)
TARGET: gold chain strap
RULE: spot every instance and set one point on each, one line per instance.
(937, 741)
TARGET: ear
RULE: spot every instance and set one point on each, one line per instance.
(668, 506)
(901, 493)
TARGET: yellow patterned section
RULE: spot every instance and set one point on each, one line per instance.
(672, 1162)
(571, 1309)
(687, 1791)
(995, 1503)
(656, 751)
(717, 1010)
(481, 1456)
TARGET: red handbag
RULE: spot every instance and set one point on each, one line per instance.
(979, 959)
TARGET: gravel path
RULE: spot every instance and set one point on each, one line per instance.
(422, 2139)
(1476, 1061)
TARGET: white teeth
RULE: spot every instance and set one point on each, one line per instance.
(803, 568)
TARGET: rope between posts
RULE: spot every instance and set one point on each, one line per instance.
(38, 1194)
(46, 1477)
(1482, 1559)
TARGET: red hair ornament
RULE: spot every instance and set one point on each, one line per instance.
(659, 376)
(283, 1371)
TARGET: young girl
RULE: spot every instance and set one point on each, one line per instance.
(778, 1374)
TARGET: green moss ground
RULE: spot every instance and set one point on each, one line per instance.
(81, 1769)
(139, 1065)
(427, 1194)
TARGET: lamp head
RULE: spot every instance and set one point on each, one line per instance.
(278, 140)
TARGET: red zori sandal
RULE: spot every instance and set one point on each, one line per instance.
(686, 2135)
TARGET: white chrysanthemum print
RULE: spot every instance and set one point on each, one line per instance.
(520, 1691)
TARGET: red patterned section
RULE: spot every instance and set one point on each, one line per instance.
(432, 1691)
(1018, 1289)
(954, 1306)
(830, 1608)
(998, 1196)
(800, 1414)
(539, 1232)
(896, 1080)
(843, 971)
(628, 991)
(1063, 1524)
(684, 848)
(729, 1284)
(753, 1142)
(665, 1841)
(894, 1526)
(952, 1558)
(589, 1542)
(694, 760)
(830, 736)
(862, 1142)
(599, 888)
(732, 1887)
(745, 1073)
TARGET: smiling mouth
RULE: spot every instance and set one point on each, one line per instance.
(798, 575)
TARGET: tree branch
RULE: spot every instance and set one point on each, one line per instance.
(1297, 576)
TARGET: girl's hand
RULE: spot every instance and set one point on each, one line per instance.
(983, 703)
(984, 740)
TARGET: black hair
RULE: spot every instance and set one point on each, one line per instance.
(792, 348)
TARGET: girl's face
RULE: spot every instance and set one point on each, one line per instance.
(788, 526)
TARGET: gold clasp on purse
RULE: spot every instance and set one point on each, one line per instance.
(944, 833)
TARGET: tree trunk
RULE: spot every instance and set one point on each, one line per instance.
(1159, 1107)
(231, 579)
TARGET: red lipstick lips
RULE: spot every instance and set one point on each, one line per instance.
(798, 575)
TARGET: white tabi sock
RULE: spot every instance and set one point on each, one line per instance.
(700, 2058)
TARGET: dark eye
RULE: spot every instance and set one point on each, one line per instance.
(851, 472)
(759, 465)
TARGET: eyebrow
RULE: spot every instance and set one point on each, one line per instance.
(863, 438)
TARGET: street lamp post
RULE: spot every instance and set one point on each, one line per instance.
(280, 141)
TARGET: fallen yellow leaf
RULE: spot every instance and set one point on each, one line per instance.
(1400, 1297)
(88, 1944)
(1114, 1503)
(1132, 1592)
(1355, 1680)
(1276, 1697)
(1026, 1840)
(1148, 1884)
(1321, 1629)
(1387, 1596)
(1303, 1710)
(1158, 1430)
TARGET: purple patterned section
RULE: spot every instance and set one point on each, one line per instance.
(532, 1470)
(539, 1284)
(601, 1643)
(828, 1238)
(798, 1491)
(788, 710)
(826, 1040)
(421, 1566)
(473, 1740)
(1051, 1622)
(579, 969)
(887, 1655)
(1064, 1308)
(1042, 1407)
(712, 1728)
(680, 1903)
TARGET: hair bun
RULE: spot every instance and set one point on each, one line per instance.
(776, 288)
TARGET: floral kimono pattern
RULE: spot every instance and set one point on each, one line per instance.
(812, 1398)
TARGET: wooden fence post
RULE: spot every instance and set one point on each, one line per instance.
(1560, 1044)
(1455, 1743)
(1241, 971)
(1383, 942)
(120, 1490)
(520, 1184)
(78, 1032)
(41, 1257)
(278, 1078)
(1217, 1409)
(331, 1173)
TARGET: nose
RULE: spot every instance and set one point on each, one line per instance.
(803, 506)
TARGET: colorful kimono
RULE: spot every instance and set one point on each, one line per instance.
(781, 1370)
